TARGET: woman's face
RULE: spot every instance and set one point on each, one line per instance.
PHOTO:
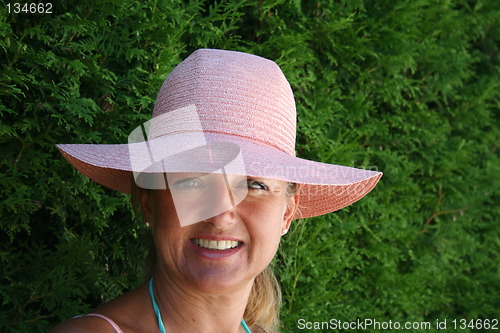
(231, 244)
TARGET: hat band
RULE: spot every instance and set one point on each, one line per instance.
(191, 119)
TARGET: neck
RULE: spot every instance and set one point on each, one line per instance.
(186, 309)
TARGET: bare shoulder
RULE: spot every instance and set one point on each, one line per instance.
(129, 312)
(83, 325)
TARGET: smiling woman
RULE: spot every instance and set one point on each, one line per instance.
(208, 172)
(265, 296)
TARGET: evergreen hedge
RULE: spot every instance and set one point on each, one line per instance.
(407, 87)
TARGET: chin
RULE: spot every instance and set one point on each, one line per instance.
(217, 281)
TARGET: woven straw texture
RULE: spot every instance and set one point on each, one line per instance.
(234, 98)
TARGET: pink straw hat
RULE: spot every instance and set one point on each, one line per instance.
(223, 110)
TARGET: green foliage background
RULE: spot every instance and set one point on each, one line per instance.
(410, 88)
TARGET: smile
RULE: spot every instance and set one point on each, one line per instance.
(216, 245)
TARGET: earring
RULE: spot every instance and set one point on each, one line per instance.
(147, 224)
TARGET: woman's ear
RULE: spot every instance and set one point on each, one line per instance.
(145, 200)
(291, 208)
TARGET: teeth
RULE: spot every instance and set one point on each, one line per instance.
(216, 245)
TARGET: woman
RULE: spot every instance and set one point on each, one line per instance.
(218, 183)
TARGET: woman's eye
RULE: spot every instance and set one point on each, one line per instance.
(186, 184)
(256, 185)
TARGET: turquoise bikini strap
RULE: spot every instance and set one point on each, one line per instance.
(155, 307)
(245, 326)
(158, 314)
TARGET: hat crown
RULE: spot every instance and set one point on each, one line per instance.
(234, 93)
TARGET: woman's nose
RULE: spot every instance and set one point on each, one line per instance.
(221, 202)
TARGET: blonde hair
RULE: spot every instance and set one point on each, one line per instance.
(264, 302)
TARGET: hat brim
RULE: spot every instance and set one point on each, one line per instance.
(324, 187)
